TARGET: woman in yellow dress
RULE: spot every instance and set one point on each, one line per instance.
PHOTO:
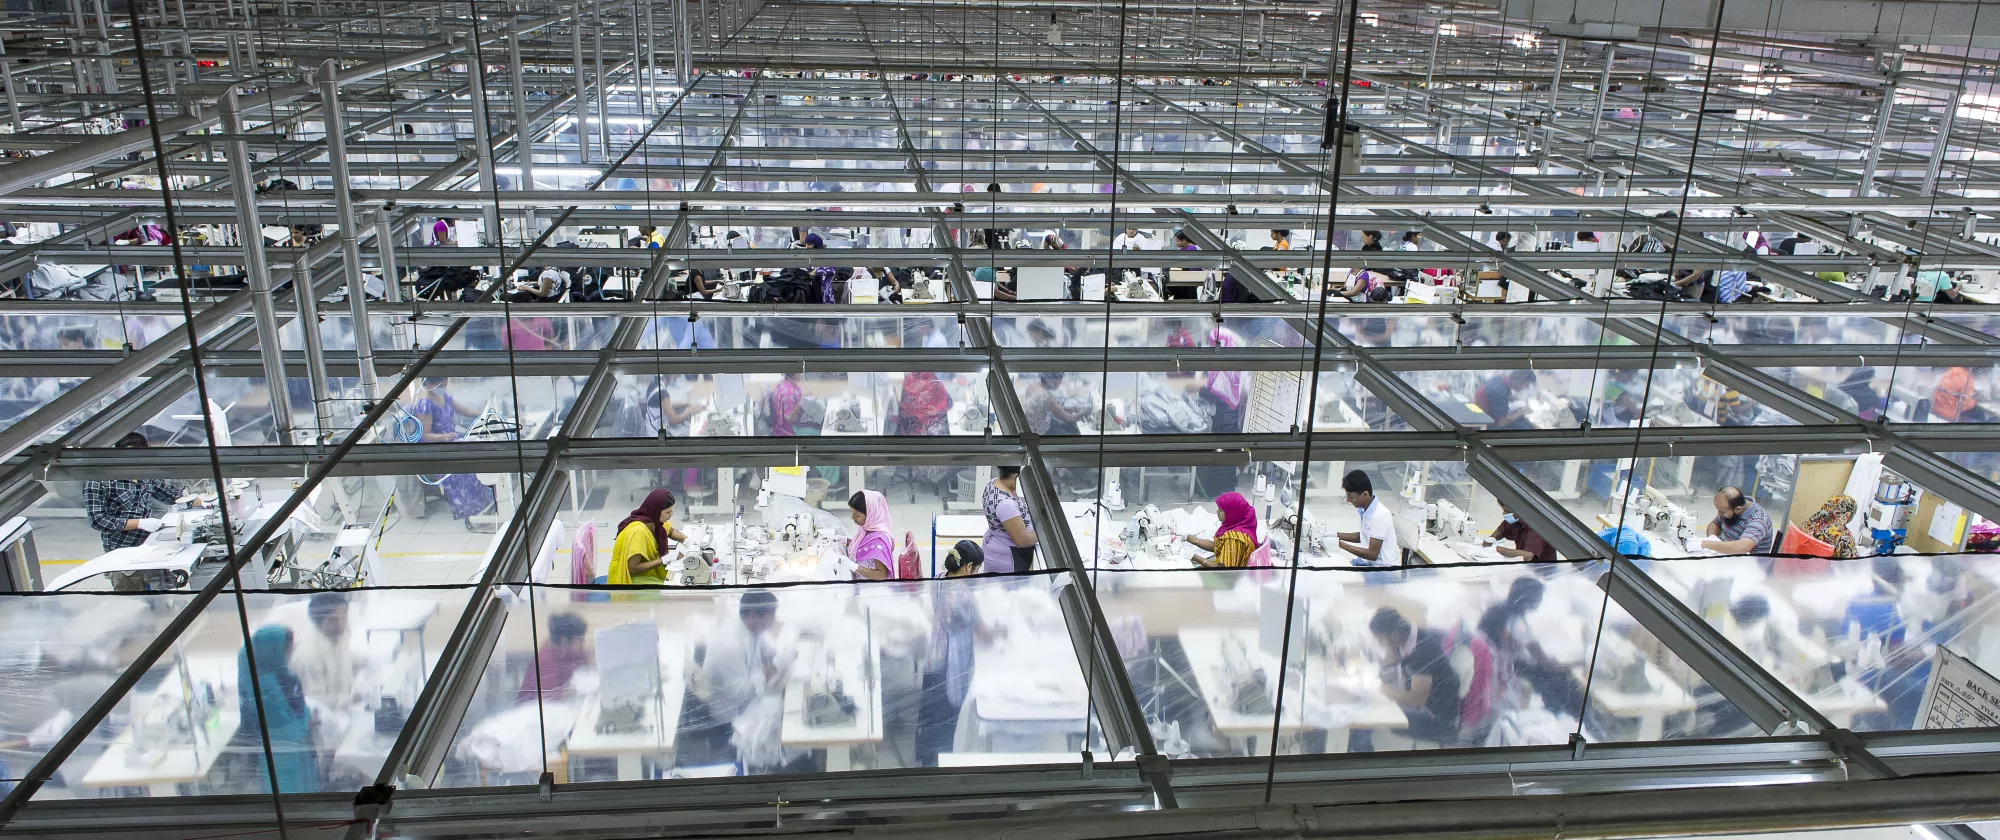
(642, 539)
(1235, 540)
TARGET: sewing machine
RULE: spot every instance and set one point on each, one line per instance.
(1446, 521)
(629, 667)
(1665, 517)
(1318, 539)
(827, 702)
(1248, 694)
(1548, 411)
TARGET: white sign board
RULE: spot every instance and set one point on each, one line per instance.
(1960, 696)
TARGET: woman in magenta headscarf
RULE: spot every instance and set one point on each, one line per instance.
(873, 547)
(1236, 538)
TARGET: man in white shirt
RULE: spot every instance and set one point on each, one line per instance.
(1133, 240)
(1375, 544)
(747, 669)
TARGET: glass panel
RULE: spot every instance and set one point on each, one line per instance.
(1537, 330)
(786, 536)
(1859, 639)
(83, 332)
(524, 332)
(63, 652)
(712, 332)
(1559, 399)
(1669, 503)
(1792, 329)
(796, 404)
(1207, 671)
(669, 683)
(1052, 331)
(1904, 394)
(1423, 512)
(335, 672)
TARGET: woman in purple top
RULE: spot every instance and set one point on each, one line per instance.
(874, 546)
(1010, 533)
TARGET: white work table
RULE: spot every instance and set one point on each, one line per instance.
(859, 668)
(1027, 688)
(1360, 704)
(179, 764)
(871, 424)
(655, 737)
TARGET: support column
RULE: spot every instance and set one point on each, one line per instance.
(1556, 81)
(1882, 117)
(385, 247)
(308, 303)
(582, 103)
(603, 93)
(1603, 90)
(524, 133)
(652, 57)
(257, 272)
(350, 238)
(683, 43)
(482, 148)
(1430, 67)
(1938, 150)
(640, 40)
(13, 98)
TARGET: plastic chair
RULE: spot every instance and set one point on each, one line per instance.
(1797, 541)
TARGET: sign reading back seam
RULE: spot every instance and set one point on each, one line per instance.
(1960, 696)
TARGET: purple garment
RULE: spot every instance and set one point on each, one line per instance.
(555, 667)
(1001, 506)
(785, 400)
(876, 547)
(437, 413)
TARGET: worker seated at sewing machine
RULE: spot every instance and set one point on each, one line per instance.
(121, 511)
(1417, 674)
(1235, 540)
(1517, 540)
(873, 548)
(747, 668)
(642, 542)
(1740, 526)
(1375, 543)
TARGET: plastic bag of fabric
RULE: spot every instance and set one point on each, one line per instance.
(52, 280)
(1170, 412)
(1627, 541)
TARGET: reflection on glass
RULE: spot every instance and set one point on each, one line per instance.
(1061, 332)
(796, 404)
(1904, 394)
(1560, 399)
(1858, 639)
(63, 652)
(1792, 329)
(335, 672)
(83, 332)
(1383, 660)
(762, 333)
(1401, 512)
(645, 684)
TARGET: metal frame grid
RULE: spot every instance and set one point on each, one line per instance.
(954, 114)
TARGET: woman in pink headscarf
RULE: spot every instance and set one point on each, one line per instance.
(1237, 537)
(873, 548)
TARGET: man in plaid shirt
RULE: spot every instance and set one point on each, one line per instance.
(120, 510)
